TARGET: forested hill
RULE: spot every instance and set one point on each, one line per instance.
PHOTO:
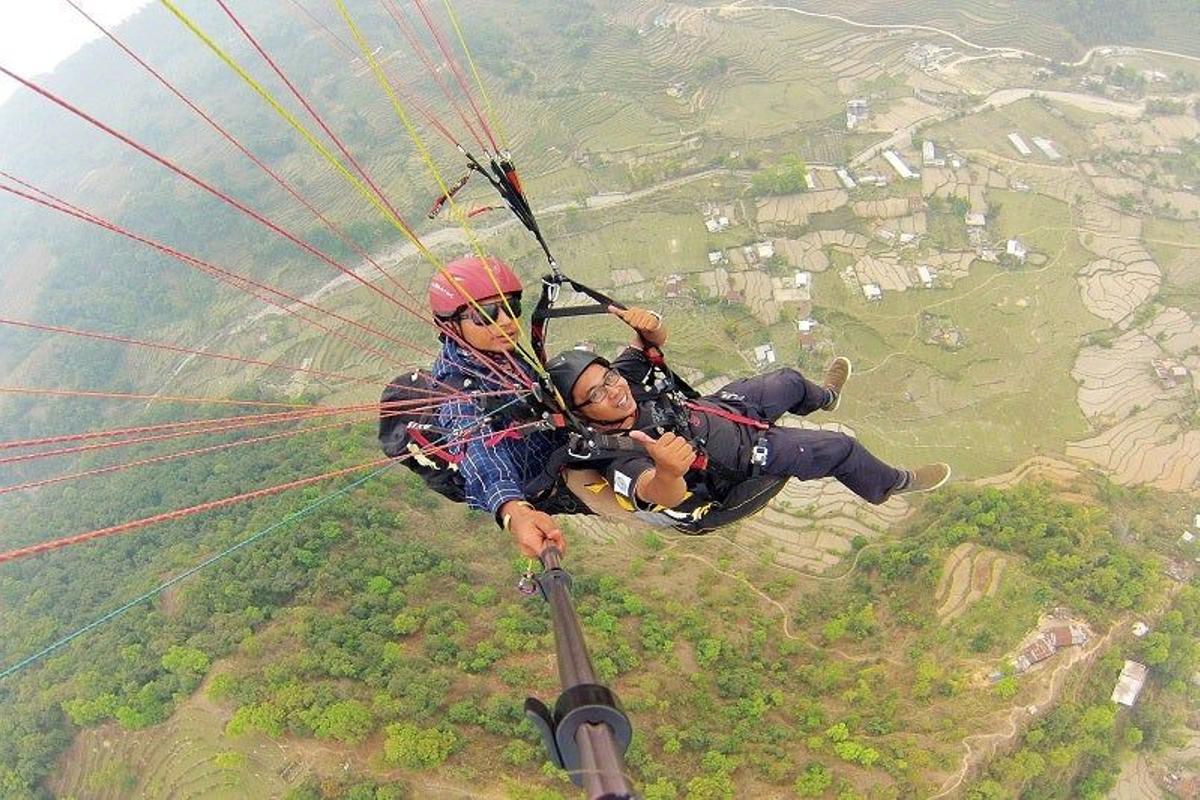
(1061, 30)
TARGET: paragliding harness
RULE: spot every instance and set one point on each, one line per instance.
(585, 445)
(676, 397)
(414, 435)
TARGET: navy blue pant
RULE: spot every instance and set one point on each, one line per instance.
(808, 454)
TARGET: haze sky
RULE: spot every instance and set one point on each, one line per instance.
(37, 35)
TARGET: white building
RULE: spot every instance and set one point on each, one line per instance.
(1019, 143)
(802, 280)
(764, 354)
(931, 156)
(902, 169)
(722, 223)
(1129, 685)
(1016, 250)
(715, 257)
(1140, 629)
(1187, 538)
(845, 178)
(765, 249)
(857, 112)
(711, 225)
(872, 292)
(976, 220)
(810, 181)
(926, 275)
(1047, 147)
(806, 325)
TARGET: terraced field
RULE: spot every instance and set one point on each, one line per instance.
(970, 573)
(176, 761)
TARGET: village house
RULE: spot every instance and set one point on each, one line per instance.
(764, 355)
(926, 275)
(1129, 685)
(1047, 148)
(857, 111)
(872, 292)
(1169, 373)
(1019, 144)
(1049, 642)
(897, 163)
(976, 220)
(715, 257)
(1140, 629)
(1017, 250)
(765, 249)
(674, 287)
(931, 156)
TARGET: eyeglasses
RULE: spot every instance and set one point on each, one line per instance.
(489, 313)
(600, 391)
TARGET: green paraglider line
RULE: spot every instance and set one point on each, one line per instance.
(162, 587)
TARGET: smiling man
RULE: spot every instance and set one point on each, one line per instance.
(696, 454)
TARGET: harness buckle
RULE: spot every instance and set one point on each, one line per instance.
(758, 453)
(576, 440)
(552, 288)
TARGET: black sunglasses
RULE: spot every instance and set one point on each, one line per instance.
(489, 313)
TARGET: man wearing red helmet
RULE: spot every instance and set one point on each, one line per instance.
(476, 304)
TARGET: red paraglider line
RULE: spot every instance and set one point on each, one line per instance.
(278, 416)
(394, 408)
(22, 487)
(110, 337)
(64, 207)
(454, 67)
(229, 137)
(411, 35)
(168, 516)
(67, 541)
(198, 182)
(223, 275)
(312, 112)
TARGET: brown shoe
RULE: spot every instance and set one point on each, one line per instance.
(835, 379)
(926, 478)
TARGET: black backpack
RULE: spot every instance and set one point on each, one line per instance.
(414, 434)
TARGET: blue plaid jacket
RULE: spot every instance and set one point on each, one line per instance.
(492, 474)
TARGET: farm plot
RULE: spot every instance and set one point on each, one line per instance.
(811, 525)
(1113, 290)
(1150, 448)
(969, 183)
(180, 759)
(1114, 286)
(1113, 381)
(808, 252)
(970, 573)
(794, 209)
(1177, 332)
(889, 208)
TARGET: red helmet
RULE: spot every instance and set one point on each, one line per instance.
(469, 278)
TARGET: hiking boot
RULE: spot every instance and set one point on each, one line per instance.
(924, 479)
(835, 379)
